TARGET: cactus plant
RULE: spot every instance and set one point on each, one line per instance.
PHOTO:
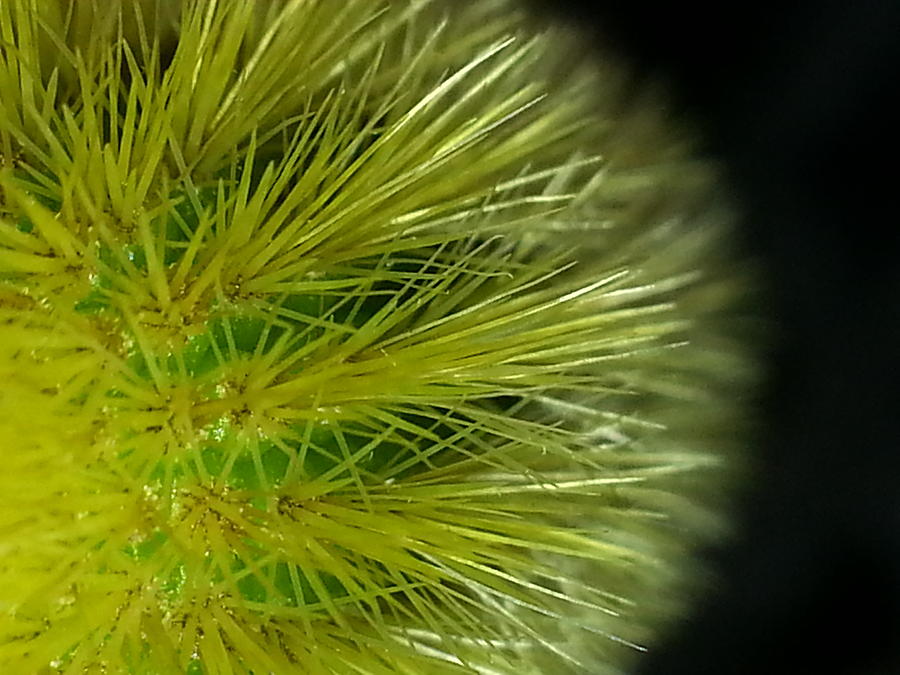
(346, 337)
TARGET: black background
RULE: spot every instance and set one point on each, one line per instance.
(795, 98)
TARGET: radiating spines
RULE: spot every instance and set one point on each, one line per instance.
(394, 358)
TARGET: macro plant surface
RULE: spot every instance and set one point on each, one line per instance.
(344, 337)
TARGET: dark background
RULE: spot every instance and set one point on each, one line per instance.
(795, 98)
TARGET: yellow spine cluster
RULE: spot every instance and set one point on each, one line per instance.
(343, 337)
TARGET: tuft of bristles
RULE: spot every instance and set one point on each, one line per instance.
(345, 337)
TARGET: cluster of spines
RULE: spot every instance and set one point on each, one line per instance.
(304, 355)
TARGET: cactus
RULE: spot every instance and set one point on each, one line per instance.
(347, 337)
